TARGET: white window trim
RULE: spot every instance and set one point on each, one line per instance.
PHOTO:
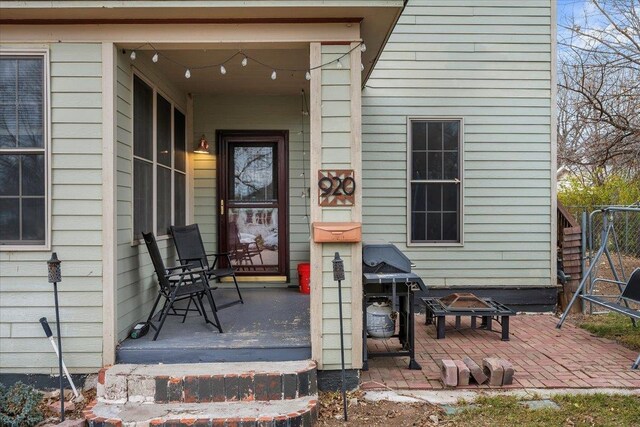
(154, 161)
(461, 174)
(44, 52)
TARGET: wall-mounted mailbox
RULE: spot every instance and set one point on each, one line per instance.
(337, 232)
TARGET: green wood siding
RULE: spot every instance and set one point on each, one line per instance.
(76, 223)
(136, 283)
(489, 63)
(246, 112)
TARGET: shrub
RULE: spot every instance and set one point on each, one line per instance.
(615, 190)
(19, 405)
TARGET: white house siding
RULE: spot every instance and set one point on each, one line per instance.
(488, 62)
(76, 222)
(136, 283)
(252, 112)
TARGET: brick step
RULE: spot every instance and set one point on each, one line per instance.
(207, 382)
(301, 412)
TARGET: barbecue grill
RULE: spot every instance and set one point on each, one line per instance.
(387, 275)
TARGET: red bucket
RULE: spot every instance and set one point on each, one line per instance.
(304, 277)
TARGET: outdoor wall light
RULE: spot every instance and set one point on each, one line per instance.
(203, 146)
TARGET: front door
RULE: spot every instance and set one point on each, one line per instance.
(252, 202)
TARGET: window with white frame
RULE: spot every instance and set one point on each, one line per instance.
(159, 161)
(435, 181)
(23, 150)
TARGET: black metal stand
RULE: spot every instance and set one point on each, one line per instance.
(338, 275)
(406, 334)
(55, 293)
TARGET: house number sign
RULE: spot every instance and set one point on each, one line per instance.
(336, 187)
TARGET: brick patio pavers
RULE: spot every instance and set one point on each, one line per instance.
(542, 356)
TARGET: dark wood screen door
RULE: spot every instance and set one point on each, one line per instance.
(253, 201)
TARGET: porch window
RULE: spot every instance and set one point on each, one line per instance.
(23, 160)
(434, 181)
(159, 161)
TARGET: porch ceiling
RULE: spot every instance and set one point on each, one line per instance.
(253, 79)
(375, 17)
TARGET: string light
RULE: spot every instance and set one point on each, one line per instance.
(245, 60)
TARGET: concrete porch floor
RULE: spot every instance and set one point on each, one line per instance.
(542, 356)
(271, 325)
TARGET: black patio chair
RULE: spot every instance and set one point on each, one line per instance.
(190, 249)
(184, 282)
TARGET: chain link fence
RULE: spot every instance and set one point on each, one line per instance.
(623, 243)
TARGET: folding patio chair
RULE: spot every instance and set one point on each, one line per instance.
(190, 249)
(179, 283)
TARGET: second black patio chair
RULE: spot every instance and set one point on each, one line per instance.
(190, 249)
(179, 283)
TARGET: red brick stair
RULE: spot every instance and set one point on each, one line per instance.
(256, 394)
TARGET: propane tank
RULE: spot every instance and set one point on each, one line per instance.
(380, 320)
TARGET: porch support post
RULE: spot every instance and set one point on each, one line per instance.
(315, 112)
(356, 211)
(109, 205)
(336, 145)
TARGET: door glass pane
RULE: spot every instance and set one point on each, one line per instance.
(253, 239)
(9, 219)
(163, 128)
(254, 174)
(164, 200)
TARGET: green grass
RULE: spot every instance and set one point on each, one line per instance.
(614, 326)
(575, 410)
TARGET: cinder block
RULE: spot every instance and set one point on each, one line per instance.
(508, 371)
(494, 370)
(449, 373)
(476, 370)
(463, 372)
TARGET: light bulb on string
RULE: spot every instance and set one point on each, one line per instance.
(361, 67)
(244, 62)
(274, 75)
(187, 74)
(339, 65)
(307, 75)
(363, 47)
(133, 55)
(223, 70)
(155, 57)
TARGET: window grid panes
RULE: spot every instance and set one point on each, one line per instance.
(435, 181)
(159, 162)
(23, 195)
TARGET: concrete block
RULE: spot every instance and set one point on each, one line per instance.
(463, 372)
(493, 369)
(115, 388)
(507, 376)
(141, 389)
(449, 373)
(475, 370)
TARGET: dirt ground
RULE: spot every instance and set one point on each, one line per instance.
(376, 414)
(629, 263)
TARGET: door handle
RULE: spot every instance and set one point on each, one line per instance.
(221, 207)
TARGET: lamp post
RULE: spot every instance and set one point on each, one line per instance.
(55, 276)
(338, 276)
